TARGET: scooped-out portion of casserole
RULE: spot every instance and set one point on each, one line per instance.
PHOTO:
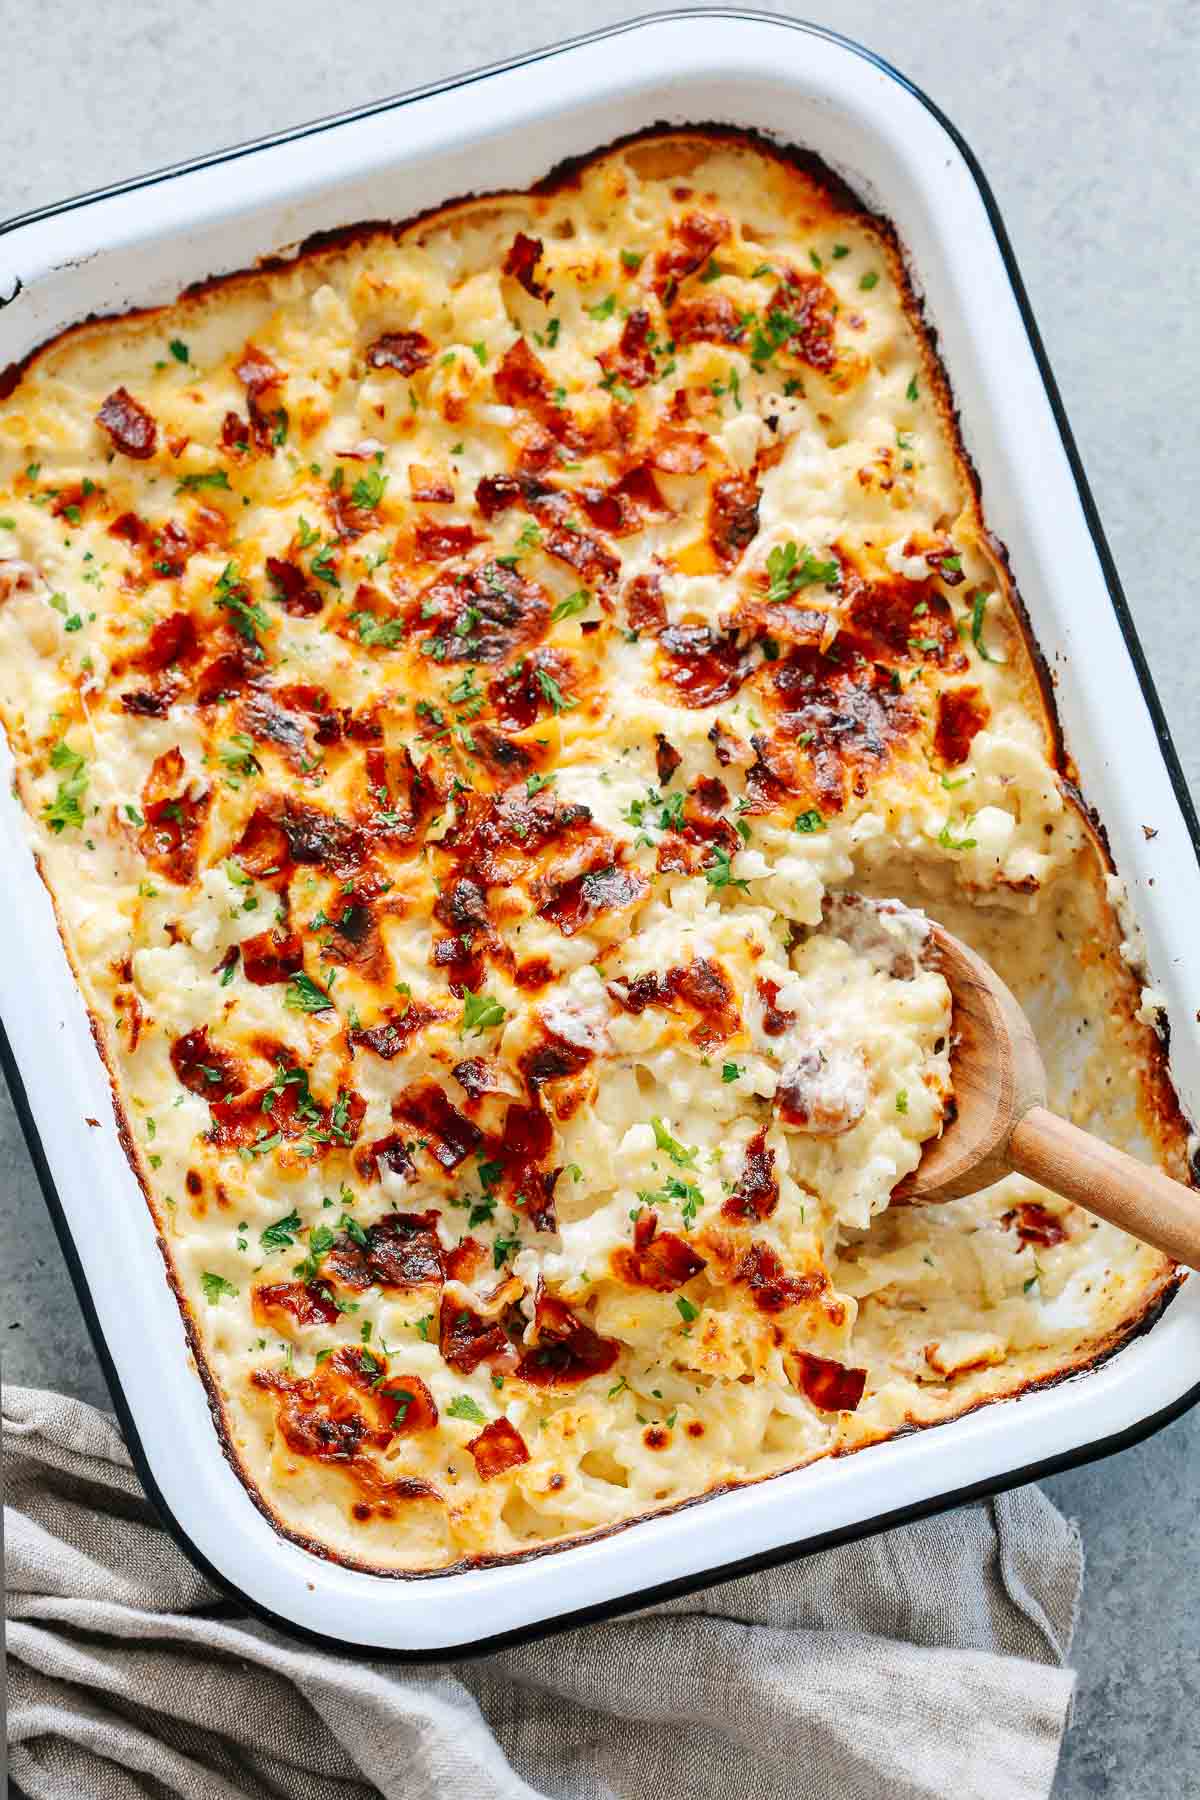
(470, 683)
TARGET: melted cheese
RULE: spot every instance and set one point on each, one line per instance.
(448, 678)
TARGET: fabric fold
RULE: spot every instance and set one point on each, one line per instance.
(923, 1664)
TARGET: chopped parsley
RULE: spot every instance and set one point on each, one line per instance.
(247, 617)
(604, 308)
(868, 281)
(463, 1407)
(203, 478)
(808, 821)
(577, 602)
(480, 1012)
(730, 1071)
(952, 843)
(179, 350)
(789, 568)
(979, 602)
(369, 489)
(306, 995)
(687, 1312)
(719, 872)
(66, 808)
(282, 1234)
(216, 1286)
(553, 693)
(680, 1154)
(912, 390)
(382, 633)
(902, 1101)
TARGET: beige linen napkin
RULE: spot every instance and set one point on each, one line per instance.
(925, 1664)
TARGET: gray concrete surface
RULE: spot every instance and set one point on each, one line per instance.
(1084, 117)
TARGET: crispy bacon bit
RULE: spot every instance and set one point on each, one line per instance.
(402, 1250)
(203, 1067)
(709, 319)
(271, 724)
(1035, 1224)
(129, 528)
(496, 493)
(727, 746)
(627, 505)
(733, 517)
(416, 1409)
(579, 903)
(666, 760)
(659, 1259)
(937, 560)
(222, 678)
(343, 1410)
(465, 1339)
(465, 1260)
(271, 957)
(148, 703)
(236, 433)
(771, 1288)
(429, 487)
(829, 1385)
(839, 722)
(564, 1351)
(392, 1151)
(404, 351)
(705, 667)
(644, 604)
(259, 376)
(676, 452)
(630, 359)
(776, 1019)
(498, 1448)
(257, 372)
(526, 1141)
(301, 696)
(129, 425)
(395, 1032)
(701, 984)
(292, 588)
(537, 972)
(483, 615)
(696, 237)
(900, 621)
(522, 381)
(436, 541)
(962, 714)
(810, 304)
(524, 254)
(169, 838)
(551, 1058)
(289, 1110)
(450, 1138)
(757, 1193)
(822, 1095)
(583, 553)
(263, 847)
(703, 822)
(477, 1076)
(307, 1302)
(173, 640)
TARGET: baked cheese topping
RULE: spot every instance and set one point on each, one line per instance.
(454, 680)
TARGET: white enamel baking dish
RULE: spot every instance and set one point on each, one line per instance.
(138, 245)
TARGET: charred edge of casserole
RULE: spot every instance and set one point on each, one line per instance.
(1155, 1080)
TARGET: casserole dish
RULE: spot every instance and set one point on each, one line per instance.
(832, 102)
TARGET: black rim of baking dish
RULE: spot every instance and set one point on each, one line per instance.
(884, 1521)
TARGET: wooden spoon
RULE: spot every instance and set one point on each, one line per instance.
(1003, 1125)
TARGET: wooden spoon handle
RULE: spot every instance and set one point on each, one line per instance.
(1141, 1200)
